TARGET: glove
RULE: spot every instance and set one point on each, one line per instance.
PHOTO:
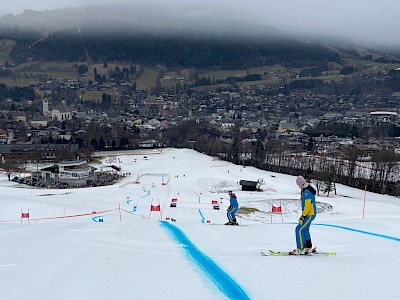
(301, 220)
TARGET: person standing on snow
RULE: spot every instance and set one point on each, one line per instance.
(232, 209)
(308, 214)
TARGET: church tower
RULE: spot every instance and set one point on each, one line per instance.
(46, 111)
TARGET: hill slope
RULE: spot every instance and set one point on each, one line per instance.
(73, 256)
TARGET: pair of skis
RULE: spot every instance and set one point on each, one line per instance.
(287, 253)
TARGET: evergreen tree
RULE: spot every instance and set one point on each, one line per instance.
(327, 187)
(82, 69)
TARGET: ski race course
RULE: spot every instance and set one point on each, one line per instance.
(158, 234)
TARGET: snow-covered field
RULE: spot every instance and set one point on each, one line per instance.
(64, 252)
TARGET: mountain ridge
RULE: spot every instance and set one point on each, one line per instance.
(154, 37)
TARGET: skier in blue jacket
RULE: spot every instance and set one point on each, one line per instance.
(308, 214)
(232, 209)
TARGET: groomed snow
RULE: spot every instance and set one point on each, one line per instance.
(64, 252)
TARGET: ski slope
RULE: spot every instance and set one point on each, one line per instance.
(65, 252)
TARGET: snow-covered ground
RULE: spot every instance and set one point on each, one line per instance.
(64, 252)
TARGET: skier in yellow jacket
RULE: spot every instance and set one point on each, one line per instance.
(308, 214)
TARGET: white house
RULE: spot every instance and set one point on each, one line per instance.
(154, 122)
(71, 173)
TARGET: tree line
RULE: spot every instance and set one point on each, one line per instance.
(16, 93)
(380, 175)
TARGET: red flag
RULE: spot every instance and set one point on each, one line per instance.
(173, 202)
(25, 215)
(214, 201)
(276, 209)
(155, 208)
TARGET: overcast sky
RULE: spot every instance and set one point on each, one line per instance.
(360, 20)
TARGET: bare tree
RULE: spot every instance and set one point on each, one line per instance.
(110, 160)
(351, 155)
(384, 163)
(64, 154)
(260, 183)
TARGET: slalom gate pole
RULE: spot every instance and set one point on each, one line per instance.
(365, 196)
(150, 207)
(162, 212)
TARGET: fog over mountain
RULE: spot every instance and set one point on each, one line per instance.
(369, 22)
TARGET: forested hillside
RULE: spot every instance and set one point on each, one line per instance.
(78, 45)
(144, 37)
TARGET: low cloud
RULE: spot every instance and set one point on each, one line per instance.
(367, 21)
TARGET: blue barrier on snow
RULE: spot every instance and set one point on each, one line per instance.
(393, 238)
(213, 272)
(362, 231)
(201, 214)
(98, 219)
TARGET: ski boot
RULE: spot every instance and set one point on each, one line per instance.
(298, 252)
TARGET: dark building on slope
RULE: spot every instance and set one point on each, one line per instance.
(248, 185)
